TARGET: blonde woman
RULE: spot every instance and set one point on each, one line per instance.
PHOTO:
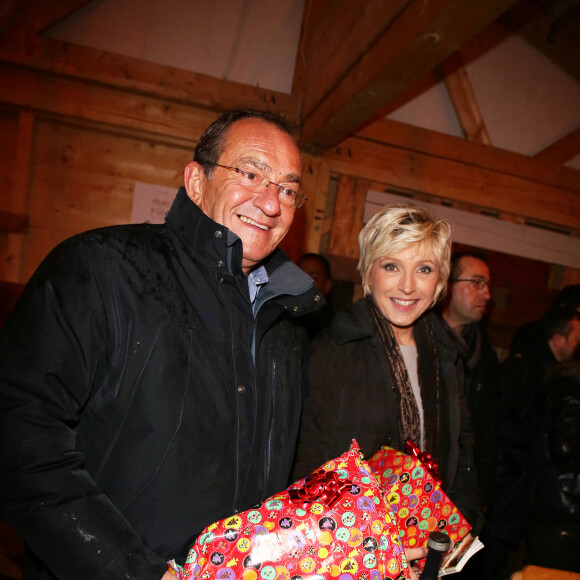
(385, 371)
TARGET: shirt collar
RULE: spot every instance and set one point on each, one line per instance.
(257, 278)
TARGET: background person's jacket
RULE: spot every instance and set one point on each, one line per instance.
(481, 384)
(553, 533)
(131, 412)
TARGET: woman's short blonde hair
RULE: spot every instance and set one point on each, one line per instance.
(395, 228)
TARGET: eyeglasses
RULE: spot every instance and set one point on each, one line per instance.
(289, 194)
(477, 283)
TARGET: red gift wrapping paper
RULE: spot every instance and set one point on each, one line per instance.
(334, 524)
(419, 503)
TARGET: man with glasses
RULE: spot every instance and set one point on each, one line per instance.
(468, 295)
(150, 377)
(463, 309)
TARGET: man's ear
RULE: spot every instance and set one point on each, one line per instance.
(194, 180)
(327, 286)
(557, 342)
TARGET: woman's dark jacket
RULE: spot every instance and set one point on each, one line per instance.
(132, 414)
(351, 396)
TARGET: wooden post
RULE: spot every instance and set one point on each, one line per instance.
(19, 194)
(316, 179)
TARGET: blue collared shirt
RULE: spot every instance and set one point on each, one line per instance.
(256, 279)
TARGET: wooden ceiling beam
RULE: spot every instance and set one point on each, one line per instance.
(448, 179)
(335, 38)
(416, 139)
(50, 95)
(420, 37)
(32, 18)
(561, 151)
(535, 25)
(565, 24)
(464, 100)
(101, 68)
(10, 11)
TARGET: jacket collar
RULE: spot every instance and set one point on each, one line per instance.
(354, 323)
(219, 249)
(209, 242)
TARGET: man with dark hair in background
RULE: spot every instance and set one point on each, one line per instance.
(555, 340)
(466, 302)
(532, 333)
(150, 375)
(553, 531)
(318, 268)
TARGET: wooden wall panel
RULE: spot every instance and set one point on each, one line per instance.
(83, 178)
(59, 95)
(9, 132)
(15, 155)
(347, 221)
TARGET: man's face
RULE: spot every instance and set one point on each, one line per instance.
(315, 270)
(466, 303)
(258, 219)
(570, 347)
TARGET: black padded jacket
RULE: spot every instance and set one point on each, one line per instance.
(132, 413)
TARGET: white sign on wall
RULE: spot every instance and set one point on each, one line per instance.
(491, 233)
(151, 203)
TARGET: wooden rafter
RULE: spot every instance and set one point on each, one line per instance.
(561, 151)
(21, 44)
(452, 180)
(425, 142)
(565, 24)
(419, 36)
(546, 33)
(464, 100)
(55, 58)
(10, 13)
(334, 41)
(32, 18)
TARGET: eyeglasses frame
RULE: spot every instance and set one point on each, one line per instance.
(300, 196)
(479, 283)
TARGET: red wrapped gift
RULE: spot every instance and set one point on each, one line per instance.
(413, 488)
(333, 524)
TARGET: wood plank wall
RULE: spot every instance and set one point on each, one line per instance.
(83, 178)
(9, 132)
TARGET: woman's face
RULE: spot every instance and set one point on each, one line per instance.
(403, 286)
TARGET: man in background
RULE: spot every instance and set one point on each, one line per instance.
(532, 333)
(555, 340)
(150, 375)
(318, 268)
(466, 302)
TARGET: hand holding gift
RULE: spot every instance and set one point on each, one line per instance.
(413, 488)
(332, 524)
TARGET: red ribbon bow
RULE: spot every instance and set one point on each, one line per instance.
(322, 486)
(425, 458)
